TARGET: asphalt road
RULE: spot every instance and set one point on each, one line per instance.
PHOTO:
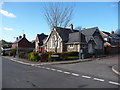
(17, 75)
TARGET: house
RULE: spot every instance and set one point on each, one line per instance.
(22, 44)
(68, 39)
(55, 42)
(114, 41)
(39, 42)
(88, 39)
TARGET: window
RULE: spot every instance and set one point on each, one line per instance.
(71, 45)
(53, 41)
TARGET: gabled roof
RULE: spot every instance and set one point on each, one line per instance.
(84, 35)
(64, 33)
(18, 40)
(41, 37)
(89, 31)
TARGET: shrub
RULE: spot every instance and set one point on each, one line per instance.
(44, 57)
(73, 53)
(64, 56)
(34, 56)
(23, 55)
(50, 53)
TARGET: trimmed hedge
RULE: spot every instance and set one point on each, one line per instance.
(46, 57)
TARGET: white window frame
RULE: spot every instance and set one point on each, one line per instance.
(72, 46)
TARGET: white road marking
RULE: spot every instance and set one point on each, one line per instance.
(53, 69)
(75, 74)
(98, 79)
(86, 76)
(47, 68)
(66, 72)
(114, 83)
(38, 66)
(59, 70)
(11, 59)
(42, 67)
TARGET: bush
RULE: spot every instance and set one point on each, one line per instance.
(44, 57)
(50, 53)
(73, 53)
(64, 56)
(23, 55)
(34, 56)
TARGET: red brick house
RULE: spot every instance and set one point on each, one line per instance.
(22, 44)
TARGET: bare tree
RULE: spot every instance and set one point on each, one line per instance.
(58, 15)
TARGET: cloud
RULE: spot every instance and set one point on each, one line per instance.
(6, 13)
(7, 29)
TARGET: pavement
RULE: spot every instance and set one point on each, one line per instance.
(116, 69)
(27, 62)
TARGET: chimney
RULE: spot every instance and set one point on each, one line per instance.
(16, 38)
(71, 26)
(112, 32)
(23, 35)
(20, 37)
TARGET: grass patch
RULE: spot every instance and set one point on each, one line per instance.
(73, 57)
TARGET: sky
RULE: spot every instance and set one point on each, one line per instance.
(27, 17)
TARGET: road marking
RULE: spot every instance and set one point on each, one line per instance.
(86, 76)
(66, 72)
(75, 74)
(114, 83)
(33, 65)
(53, 69)
(47, 68)
(59, 70)
(38, 66)
(42, 67)
(99, 79)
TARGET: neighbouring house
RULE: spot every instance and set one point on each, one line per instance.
(68, 39)
(90, 40)
(114, 41)
(5, 47)
(39, 47)
(22, 44)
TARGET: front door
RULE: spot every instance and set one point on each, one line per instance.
(90, 48)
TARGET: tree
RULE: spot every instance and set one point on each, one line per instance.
(58, 15)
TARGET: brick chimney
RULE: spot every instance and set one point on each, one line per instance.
(20, 37)
(16, 38)
(71, 26)
(24, 35)
(112, 32)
